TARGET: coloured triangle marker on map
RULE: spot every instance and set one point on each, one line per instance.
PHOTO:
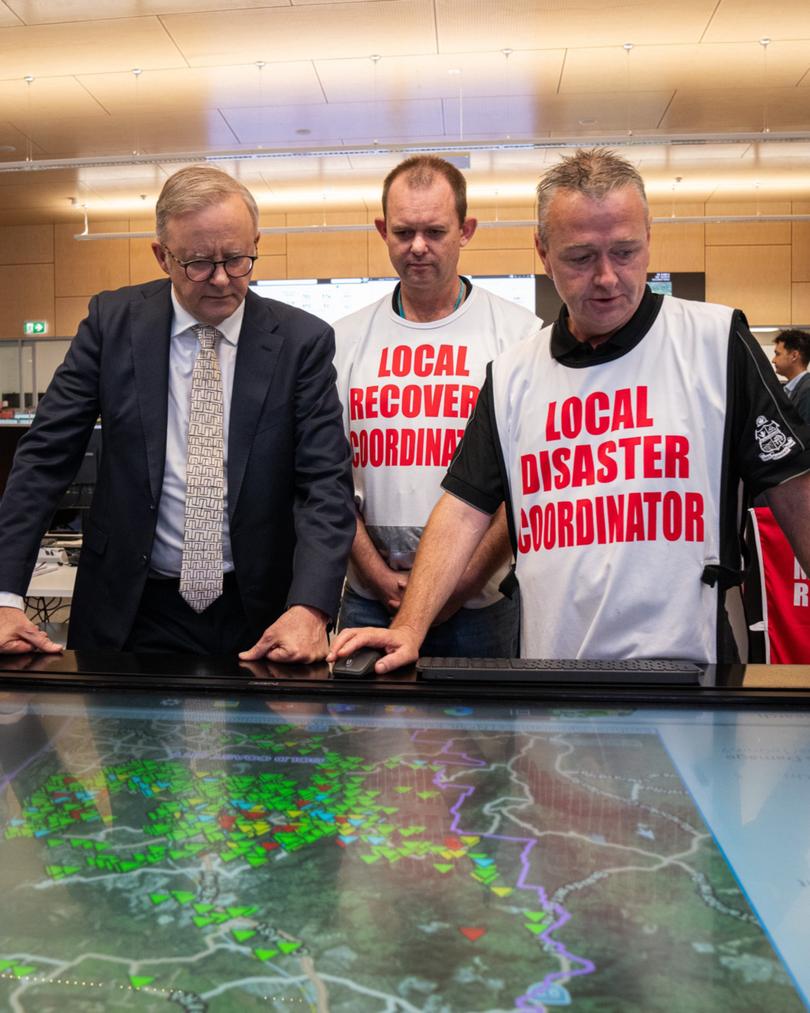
(140, 981)
(472, 932)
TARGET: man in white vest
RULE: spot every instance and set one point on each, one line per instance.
(618, 439)
(409, 369)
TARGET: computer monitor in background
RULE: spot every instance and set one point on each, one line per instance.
(78, 495)
(333, 298)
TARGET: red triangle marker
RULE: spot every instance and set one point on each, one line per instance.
(472, 932)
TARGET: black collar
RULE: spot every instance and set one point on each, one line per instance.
(567, 350)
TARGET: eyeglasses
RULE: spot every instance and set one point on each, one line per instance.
(202, 270)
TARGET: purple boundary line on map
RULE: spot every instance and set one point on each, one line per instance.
(8, 778)
(536, 992)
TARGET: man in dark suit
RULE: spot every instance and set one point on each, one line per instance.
(157, 362)
(790, 358)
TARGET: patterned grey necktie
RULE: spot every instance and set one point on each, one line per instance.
(201, 573)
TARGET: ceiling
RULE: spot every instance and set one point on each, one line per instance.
(314, 101)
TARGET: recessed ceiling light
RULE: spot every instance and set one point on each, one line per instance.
(7, 149)
(303, 131)
(587, 122)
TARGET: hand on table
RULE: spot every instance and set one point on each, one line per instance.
(18, 634)
(401, 645)
(299, 635)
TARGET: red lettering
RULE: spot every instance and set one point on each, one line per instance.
(651, 451)
(629, 444)
(571, 417)
(559, 461)
(549, 526)
(693, 517)
(530, 477)
(524, 542)
(356, 403)
(411, 401)
(468, 400)
(401, 361)
(552, 433)
(643, 420)
(423, 360)
(609, 470)
(389, 396)
(584, 520)
(596, 402)
(384, 370)
(635, 519)
(391, 448)
(444, 361)
(582, 470)
(672, 516)
(451, 401)
(355, 447)
(461, 364)
(371, 402)
(676, 457)
(565, 524)
(652, 499)
(432, 395)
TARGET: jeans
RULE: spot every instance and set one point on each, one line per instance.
(491, 632)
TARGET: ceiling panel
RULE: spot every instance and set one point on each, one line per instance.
(39, 12)
(752, 109)
(344, 122)
(441, 75)
(47, 98)
(743, 20)
(85, 47)
(537, 24)
(7, 17)
(316, 32)
(119, 135)
(195, 87)
(700, 67)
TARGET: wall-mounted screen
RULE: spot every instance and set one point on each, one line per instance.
(333, 298)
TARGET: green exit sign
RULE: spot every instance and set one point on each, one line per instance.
(35, 327)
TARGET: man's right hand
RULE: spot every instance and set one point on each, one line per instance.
(400, 643)
(19, 635)
(389, 586)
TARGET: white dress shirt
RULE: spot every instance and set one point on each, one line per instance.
(167, 548)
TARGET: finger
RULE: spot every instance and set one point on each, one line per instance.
(402, 655)
(260, 649)
(340, 641)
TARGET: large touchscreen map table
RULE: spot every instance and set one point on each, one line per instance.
(244, 854)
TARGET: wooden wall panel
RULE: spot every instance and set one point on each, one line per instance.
(800, 241)
(27, 295)
(326, 254)
(801, 303)
(26, 244)
(273, 244)
(676, 247)
(748, 233)
(496, 261)
(506, 237)
(68, 314)
(755, 279)
(379, 263)
(84, 268)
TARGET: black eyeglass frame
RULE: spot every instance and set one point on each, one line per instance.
(213, 264)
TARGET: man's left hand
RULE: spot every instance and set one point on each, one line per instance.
(299, 635)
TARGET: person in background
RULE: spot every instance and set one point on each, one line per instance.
(790, 359)
(409, 370)
(222, 515)
(618, 439)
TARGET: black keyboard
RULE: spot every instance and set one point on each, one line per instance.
(652, 672)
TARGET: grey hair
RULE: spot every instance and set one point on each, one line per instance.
(197, 187)
(594, 172)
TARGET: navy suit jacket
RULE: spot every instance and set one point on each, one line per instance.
(290, 503)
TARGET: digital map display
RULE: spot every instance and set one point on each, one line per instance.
(243, 855)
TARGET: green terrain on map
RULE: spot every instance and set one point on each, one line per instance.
(307, 862)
